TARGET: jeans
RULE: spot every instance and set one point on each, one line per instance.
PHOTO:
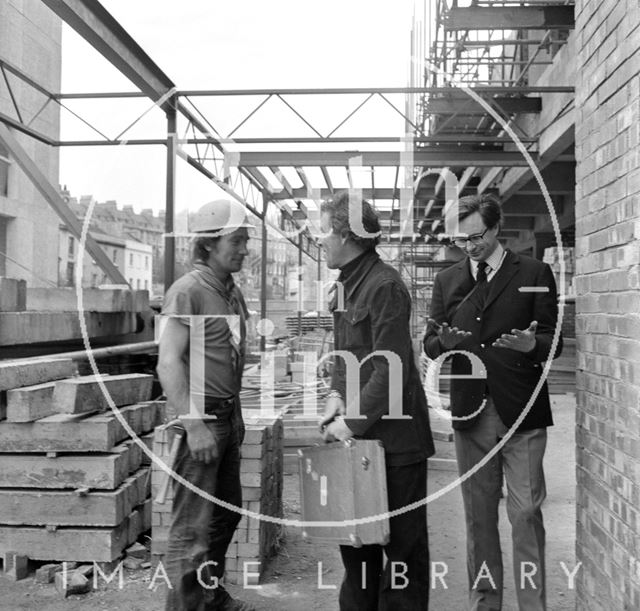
(200, 530)
(403, 584)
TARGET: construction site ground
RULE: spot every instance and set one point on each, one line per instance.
(304, 575)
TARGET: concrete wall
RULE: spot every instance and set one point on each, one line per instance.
(30, 39)
(608, 303)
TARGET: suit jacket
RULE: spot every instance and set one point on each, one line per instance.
(377, 307)
(511, 376)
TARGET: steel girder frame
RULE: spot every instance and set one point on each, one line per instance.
(96, 25)
(52, 196)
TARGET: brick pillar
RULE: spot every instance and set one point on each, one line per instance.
(608, 303)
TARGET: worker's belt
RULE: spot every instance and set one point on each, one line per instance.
(219, 407)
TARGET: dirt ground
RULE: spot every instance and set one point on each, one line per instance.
(292, 581)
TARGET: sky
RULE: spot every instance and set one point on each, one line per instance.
(244, 44)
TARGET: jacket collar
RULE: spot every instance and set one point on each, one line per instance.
(498, 283)
(355, 277)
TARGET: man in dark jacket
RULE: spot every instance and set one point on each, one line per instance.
(388, 404)
(496, 313)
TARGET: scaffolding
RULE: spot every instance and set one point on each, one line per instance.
(437, 130)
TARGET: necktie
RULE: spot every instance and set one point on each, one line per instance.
(482, 285)
(481, 276)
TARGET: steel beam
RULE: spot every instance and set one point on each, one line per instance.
(509, 18)
(488, 89)
(421, 157)
(469, 106)
(516, 223)
(21, 127)
(440, 138)
(169, 239)
(52, 196)
(528, 205)
(98, 27)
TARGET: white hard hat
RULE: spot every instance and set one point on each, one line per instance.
(219, 217)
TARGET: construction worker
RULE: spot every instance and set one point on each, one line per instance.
(200, 364)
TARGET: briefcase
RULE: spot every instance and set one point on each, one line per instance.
(345, 481)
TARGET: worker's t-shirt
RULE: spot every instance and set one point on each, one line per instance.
(199, 293)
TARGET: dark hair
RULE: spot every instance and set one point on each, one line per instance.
(486, 204)
(201, 247)
(338, 209)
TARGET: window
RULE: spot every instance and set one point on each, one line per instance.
(130, 258)
(146, 263)
(70, 272)
(3, 244)
(138, 284)
(71, 247)
(115, 255)
(5, 162)
(94, 280)
(146, 285)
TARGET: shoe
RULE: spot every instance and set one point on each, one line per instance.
(223, 601)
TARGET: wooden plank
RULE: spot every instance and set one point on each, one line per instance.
(30, 402)
(84, 394)
(67, 433)
(27, 372)
(66, 544)
(67, 508)
(101, 471)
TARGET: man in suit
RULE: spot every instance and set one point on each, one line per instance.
(375, 319)
(496, 311)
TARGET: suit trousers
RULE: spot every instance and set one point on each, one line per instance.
(519, 462)
(402, 584)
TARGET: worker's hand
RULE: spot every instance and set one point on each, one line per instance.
(522, 341)
(449, 337)
(337, 430)
(333, 407)
(201, 440)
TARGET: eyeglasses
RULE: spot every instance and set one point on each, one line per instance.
(475, 240)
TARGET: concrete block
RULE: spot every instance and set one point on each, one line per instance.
(27, 372)
(46, 573)
(93, 300)
(84, 394)
(73, 584)
(20, 328)
(16, 566)
(30, 402)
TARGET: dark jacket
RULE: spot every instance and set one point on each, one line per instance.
(376, 318)
(511, 376)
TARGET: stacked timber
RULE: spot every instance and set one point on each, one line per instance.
(255, 539)
(72, 483)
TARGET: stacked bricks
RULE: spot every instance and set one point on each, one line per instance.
(608, 303)
(73, 486)
(554, 256)
(255, 540)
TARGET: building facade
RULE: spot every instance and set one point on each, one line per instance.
(30, 39)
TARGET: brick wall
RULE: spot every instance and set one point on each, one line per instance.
(608, 303)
